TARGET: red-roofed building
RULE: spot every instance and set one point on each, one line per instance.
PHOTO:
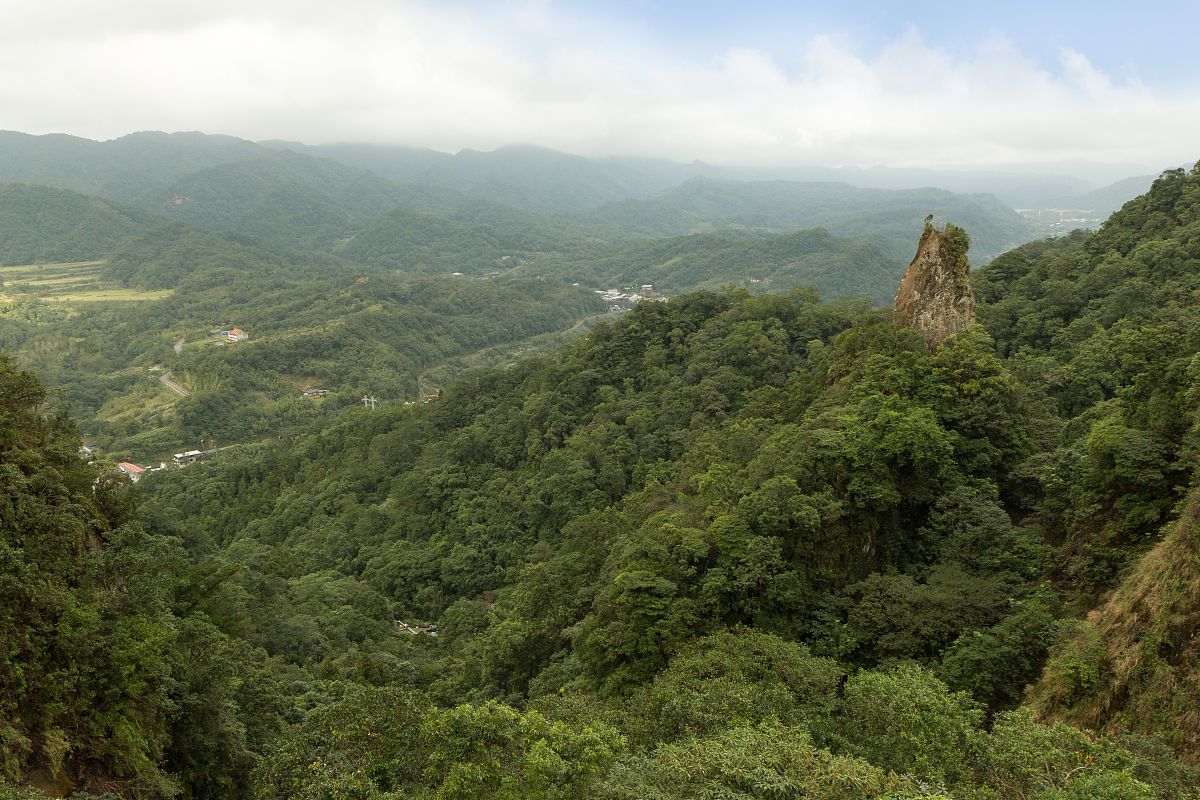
(132, 470)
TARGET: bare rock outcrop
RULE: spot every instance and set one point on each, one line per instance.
(935, 294)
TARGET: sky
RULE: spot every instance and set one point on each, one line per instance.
(908, 84)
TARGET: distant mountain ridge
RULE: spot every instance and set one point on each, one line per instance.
(527, 209)
(131, 168)
(704, 204)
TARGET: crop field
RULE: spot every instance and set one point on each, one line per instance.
(70, 282)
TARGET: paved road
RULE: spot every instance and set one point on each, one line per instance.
(165, 380)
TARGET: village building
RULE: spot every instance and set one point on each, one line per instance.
(188, 457)
(315, 392)
(238, 335)
(417, 628)
(132, 470)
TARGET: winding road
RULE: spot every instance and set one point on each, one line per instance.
(165, 380)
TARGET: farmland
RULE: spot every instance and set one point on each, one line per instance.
(68, 282)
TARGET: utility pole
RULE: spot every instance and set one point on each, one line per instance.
(369, 402)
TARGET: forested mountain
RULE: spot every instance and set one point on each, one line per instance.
(735, 544)
(892, 215)
(1106, 199)
(293, 199)
(316, 320)
(107, 679)
(283, 191)
(41, 224)
(541, 179)
(534, 179)
(728, 545)
(838, 267)
(135, 169)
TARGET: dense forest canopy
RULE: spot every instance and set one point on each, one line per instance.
(360, 277)
(731, 545)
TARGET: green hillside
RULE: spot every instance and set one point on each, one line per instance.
(731, 543)
(39, 224)
(703, 204)
(103, 334)
(534, 179)
(750, 542)
(292, 199)
(837, 267)
(134, 169)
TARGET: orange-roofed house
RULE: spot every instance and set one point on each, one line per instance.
(132, 470)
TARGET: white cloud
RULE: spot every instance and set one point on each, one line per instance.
(437, 76)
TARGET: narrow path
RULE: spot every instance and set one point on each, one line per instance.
(165, 380)
(586, 320)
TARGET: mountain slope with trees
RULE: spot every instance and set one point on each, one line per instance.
(734, 544)
(703, 204)
(40, 224)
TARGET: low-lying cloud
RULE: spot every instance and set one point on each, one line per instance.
(421, 75)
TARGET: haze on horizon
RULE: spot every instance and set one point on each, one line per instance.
(1074, 88)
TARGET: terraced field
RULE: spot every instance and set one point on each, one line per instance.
(68, 282)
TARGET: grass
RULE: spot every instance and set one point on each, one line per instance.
(64, 266)
(110, 295)
(1141, 648)
(82, 277)
(68, 282)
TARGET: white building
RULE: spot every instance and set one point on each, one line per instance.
(132, 470)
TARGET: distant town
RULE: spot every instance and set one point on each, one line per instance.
(628, 297)
(1061, 221)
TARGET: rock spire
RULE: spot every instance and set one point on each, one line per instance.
(935, 295)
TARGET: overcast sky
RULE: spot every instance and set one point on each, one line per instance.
(844, 82)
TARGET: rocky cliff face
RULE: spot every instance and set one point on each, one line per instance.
(935, 294)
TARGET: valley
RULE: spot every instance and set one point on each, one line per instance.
(374, 480)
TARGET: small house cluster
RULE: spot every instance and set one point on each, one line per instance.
(135, 472)
(315, 392)
(628, 297)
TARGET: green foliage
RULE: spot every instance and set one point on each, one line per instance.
(906, 721)
(386, 743)
(40, 224)
(745, 762)
(740, 678)
(731, 545)
(101, 684)
(850, 266)
(1106, 325)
